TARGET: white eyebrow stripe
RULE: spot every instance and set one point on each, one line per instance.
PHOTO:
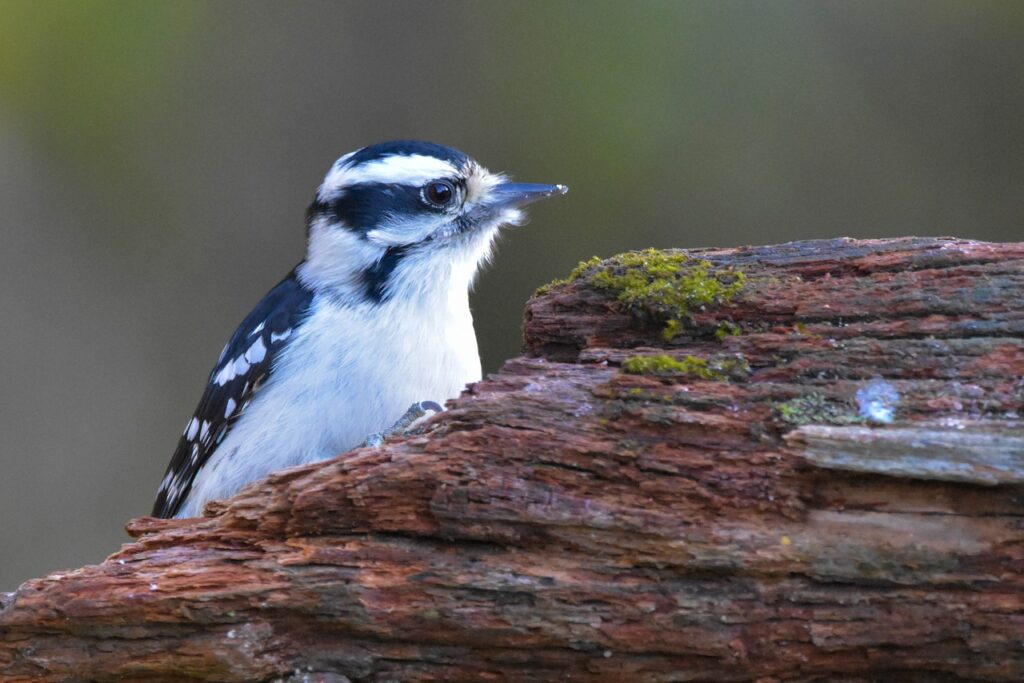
(413, 169)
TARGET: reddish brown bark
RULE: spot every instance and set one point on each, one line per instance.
(566, 520)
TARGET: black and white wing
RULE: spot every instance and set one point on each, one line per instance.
(244, 365)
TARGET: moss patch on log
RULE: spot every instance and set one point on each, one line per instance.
(721, 369)
(816, 409)
(663, 286)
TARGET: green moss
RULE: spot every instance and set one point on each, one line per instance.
(574, 275)
(816, 409)
(663, 286)
(660, 364)
(582, 267)
(727, 329)
(704, 368)
(673, 328)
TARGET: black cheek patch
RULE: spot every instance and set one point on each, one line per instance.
(375, 278)
(316, 210)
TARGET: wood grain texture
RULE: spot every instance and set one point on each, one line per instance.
(566, 520)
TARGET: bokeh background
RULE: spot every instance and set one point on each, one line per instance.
(156, 159)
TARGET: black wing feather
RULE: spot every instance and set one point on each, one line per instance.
(251, 353)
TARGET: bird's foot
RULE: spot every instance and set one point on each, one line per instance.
(415, 412)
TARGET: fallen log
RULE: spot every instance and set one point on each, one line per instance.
(788, 463)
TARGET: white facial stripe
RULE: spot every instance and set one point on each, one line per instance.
(479, 184)
(344, 160)
(414, 169)
(336, 258)
(415, 229)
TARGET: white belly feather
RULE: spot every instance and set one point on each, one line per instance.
(349, 372)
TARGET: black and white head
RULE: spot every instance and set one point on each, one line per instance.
(407, 219)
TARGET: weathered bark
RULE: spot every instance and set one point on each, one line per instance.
(735, 519)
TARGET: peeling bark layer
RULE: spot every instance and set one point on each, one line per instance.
(817, 479)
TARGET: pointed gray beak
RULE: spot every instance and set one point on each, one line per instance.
(521, 194)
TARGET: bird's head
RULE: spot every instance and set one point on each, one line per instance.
(402, 218)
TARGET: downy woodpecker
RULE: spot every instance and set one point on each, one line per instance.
(375, 318)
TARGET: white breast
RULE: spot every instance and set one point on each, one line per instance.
(348, 373)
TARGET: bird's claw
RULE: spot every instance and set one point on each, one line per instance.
(414, 413)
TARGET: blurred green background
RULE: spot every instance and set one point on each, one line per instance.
(156, 159)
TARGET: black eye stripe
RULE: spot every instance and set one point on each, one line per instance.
(363, 206)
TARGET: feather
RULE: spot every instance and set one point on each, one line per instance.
(244, 366)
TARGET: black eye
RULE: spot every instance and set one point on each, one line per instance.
(440, 193)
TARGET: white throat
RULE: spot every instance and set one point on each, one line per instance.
(434, 275)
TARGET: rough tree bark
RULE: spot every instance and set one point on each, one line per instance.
(691, 474)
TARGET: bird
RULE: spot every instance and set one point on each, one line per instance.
(371, 326)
